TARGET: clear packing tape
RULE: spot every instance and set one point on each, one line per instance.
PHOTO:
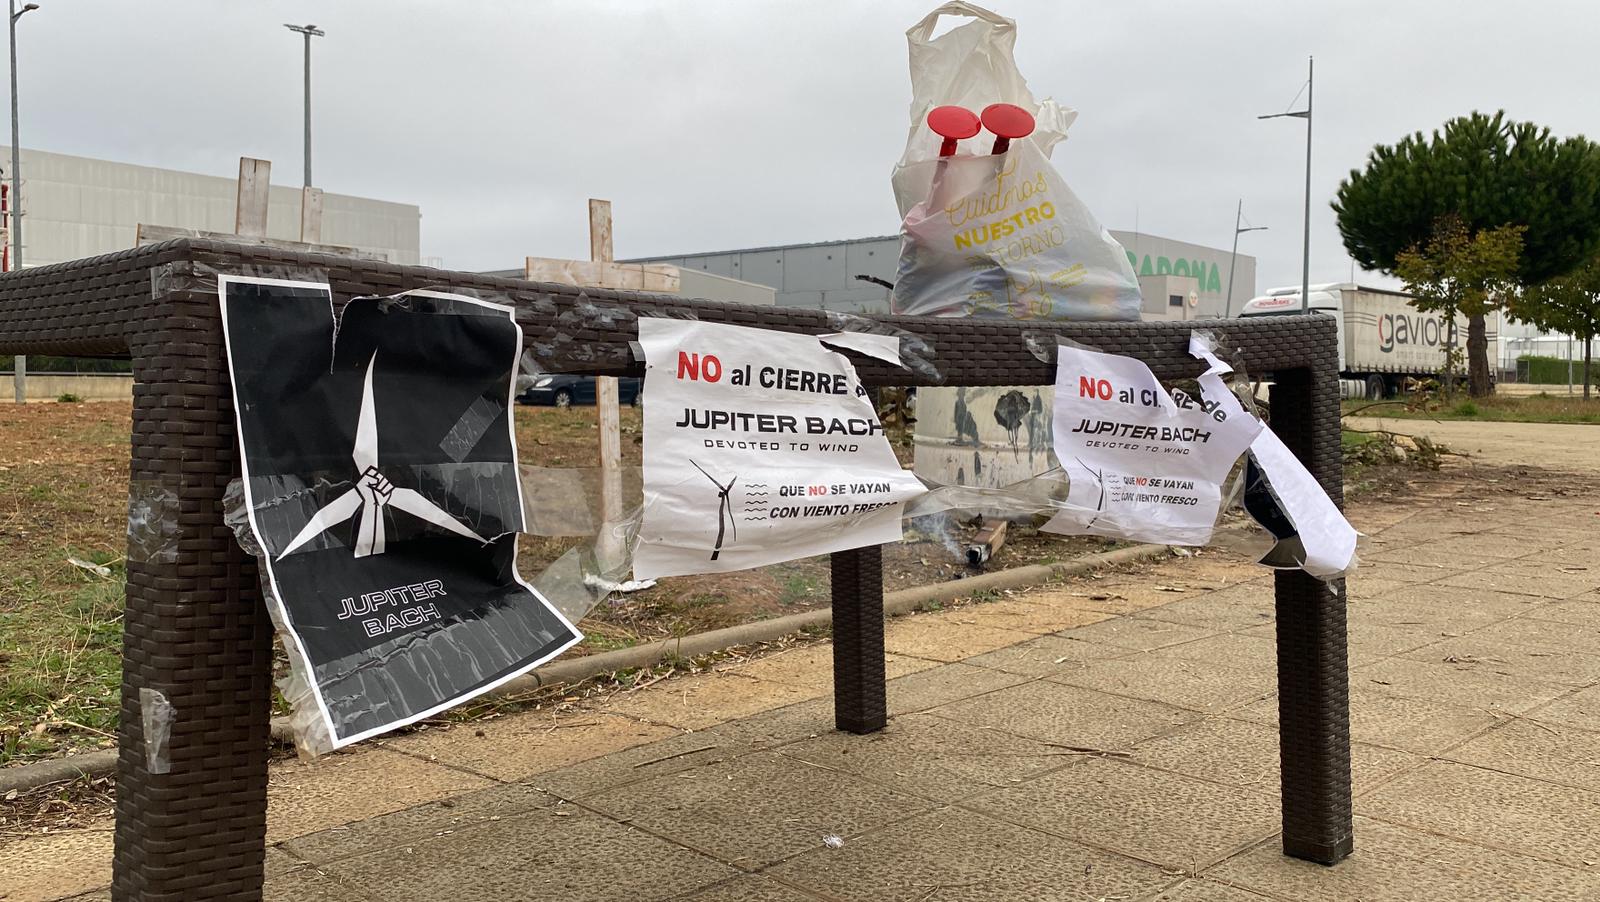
(590, 560)
(153, 507)
(310, 730)
(156, 716)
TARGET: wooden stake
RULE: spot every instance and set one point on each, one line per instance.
(311, 215)
(605, 388)
(145, 234)
(657, 277)
(600, 231)
(602, 271)
(250, 224)
(255, 186)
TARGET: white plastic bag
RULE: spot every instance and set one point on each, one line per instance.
(995, 235)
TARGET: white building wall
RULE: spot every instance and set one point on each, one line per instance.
(821, 275)
(77, 207)
(696, 283)
(1152, 255)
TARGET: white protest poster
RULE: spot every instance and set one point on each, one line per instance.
(1142, 464)
(1323, 543)
(1318, 538)
(759, 447)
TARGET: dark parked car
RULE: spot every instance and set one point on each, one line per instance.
(565, 391)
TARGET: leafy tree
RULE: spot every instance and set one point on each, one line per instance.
(1487, 172)
(1568, 304)
(1460, 270)
(1482, 172)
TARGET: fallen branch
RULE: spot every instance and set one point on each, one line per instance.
(1358, 410)
(78, 726)
(1396, 436)
(648, 683)
(570, 726)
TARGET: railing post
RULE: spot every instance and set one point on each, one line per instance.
(860, 703)
(1313, 669)
(191, 824)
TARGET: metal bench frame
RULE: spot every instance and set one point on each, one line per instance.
(196, 630)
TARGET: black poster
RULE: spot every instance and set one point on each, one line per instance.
(381, 481)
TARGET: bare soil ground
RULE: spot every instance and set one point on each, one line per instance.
(63, 496)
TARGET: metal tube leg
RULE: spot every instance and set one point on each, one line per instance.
(1313, 670)
(860, 690)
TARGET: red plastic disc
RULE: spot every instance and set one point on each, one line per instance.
(1007, 120)
(954, 122)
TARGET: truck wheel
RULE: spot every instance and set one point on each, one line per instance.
(1377, 390)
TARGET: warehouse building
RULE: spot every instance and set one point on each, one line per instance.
(1179, 280)
(75, 207)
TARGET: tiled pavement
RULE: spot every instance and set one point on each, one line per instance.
(1475, 641)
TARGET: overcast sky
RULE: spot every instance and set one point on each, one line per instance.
(717, 125)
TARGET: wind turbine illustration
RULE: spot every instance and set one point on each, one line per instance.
(1100, 480)
(725, 516)
(372, 493)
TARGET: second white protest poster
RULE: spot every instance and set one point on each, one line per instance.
(1142, 464)
(760, 447)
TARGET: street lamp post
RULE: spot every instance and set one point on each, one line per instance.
(309, 31)
(19, 374)
(1227, 308)
(1305, 260)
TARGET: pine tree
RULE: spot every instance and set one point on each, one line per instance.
(1479, 173)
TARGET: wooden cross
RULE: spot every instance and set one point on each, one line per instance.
(602, 271)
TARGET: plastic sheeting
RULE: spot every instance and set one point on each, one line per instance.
(997, 235)
(915, 356)
(561, 502)
(1033, 487)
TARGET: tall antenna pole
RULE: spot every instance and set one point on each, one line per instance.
(1305, 260)
(309, 31)
(19, 370)
(1227, 307)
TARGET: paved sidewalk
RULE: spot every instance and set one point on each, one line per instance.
(1103, 738)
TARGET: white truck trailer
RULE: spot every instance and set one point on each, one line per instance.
(1383, 340)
